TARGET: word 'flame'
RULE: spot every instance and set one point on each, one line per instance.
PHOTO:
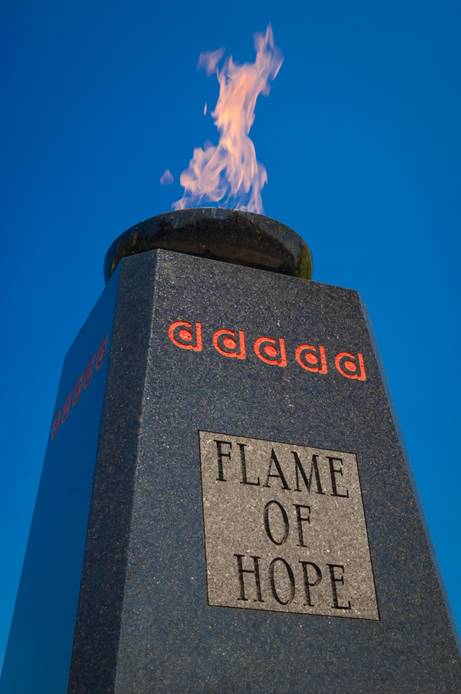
(229, 172)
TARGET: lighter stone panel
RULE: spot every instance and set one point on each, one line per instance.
(285, 528)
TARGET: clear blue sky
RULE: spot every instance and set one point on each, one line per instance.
(361, 139)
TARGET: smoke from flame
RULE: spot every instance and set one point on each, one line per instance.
(229, 172)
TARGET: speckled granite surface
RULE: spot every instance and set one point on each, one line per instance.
(145, 624)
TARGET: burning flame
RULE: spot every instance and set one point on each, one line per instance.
(229, 171)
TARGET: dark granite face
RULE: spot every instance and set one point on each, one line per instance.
(205, 351)
(204, 346)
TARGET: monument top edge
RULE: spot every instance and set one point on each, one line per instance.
(235, 236)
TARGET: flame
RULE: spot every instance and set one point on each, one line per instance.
(166, 178)
(229, 172)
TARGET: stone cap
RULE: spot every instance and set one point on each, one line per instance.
(233, 236)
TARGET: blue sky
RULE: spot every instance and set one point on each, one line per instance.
(361, 139)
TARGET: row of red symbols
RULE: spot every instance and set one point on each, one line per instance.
(273, 351)
(82, 383)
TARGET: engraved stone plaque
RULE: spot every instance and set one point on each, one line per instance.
(285, 528)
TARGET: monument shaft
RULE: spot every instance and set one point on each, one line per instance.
(247, 522)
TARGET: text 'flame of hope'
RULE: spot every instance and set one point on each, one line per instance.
(229, 172)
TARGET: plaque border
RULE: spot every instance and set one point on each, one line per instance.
(288, 612)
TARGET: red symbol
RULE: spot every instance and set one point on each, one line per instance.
(77, 390)
(230, 343)
(66, 408)
(271, 351)
(56, 423)
(87, 375)
(185, 335)
(351, 366)
(101, 353)
(312, 358)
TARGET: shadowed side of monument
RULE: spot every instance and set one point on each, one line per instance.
(39, 649)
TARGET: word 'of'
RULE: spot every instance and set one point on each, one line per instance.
(232, 344)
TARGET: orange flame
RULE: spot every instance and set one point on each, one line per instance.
(229, 171)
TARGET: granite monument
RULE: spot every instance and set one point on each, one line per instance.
(225, 506)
